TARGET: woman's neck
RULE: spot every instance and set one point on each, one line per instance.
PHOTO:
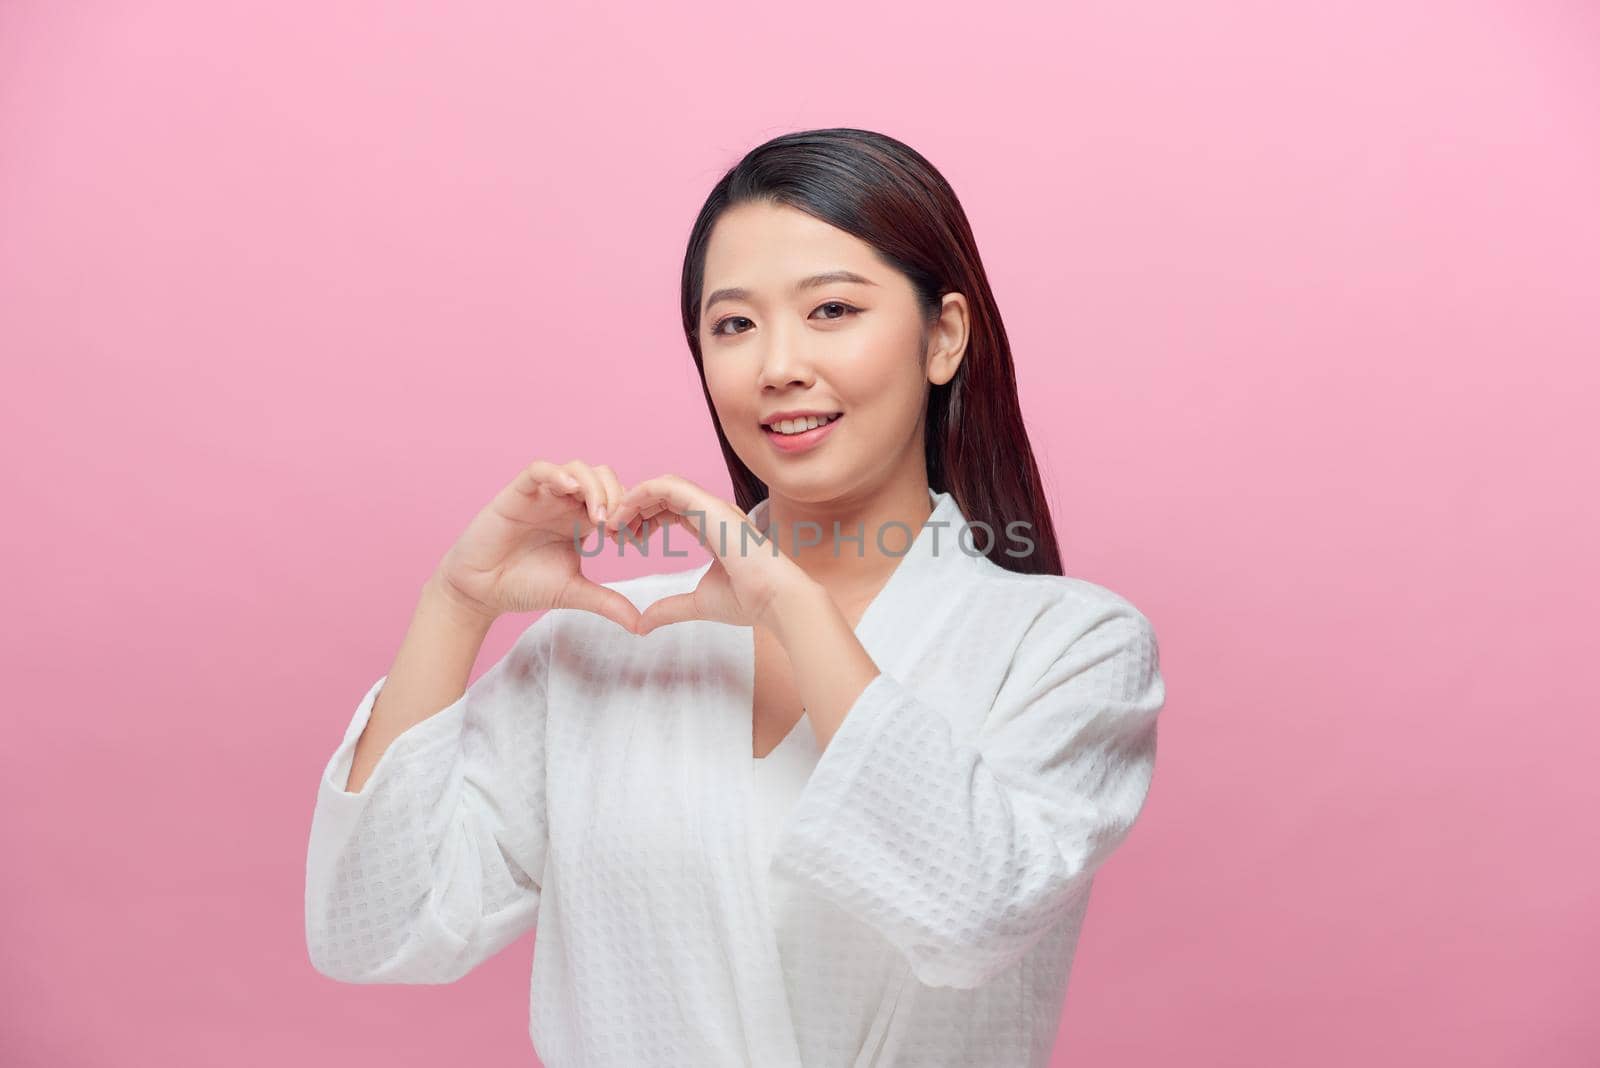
(873, 535)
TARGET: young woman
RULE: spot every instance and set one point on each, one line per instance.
(836, 796)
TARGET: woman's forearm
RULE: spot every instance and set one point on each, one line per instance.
(430, 672)
(831, 667)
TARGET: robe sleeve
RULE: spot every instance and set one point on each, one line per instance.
(434, 865)
(963, 854)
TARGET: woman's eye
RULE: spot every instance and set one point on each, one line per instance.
(847, 309)
(717, 326)
(843, 309)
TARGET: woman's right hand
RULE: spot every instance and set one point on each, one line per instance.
(520, 553)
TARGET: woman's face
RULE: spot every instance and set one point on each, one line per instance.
(777, 335)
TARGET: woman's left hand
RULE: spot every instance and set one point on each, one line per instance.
(747, 573)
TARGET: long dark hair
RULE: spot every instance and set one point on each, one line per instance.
(886, 194)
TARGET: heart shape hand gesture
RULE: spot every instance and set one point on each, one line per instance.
(521, 552)
(747, 572)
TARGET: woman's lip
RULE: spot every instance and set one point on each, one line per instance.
(808, 415)
(804, 440)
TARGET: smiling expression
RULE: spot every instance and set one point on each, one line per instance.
(802, 317)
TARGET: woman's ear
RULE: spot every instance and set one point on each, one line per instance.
(947, 339)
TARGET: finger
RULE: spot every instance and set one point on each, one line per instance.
(665, 490)
(679, 493)
(638, 498)
(669, 492)
(564, 484)
(628, 513)
(613, 488)
(590, 596)
(677, 608)
(619, 526)
(648, 520)
(638, 530)
(697, 526)
(717, 531)
(694, 525)
(594, 494)
(614, 492)
(539, 475)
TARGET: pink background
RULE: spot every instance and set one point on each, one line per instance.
(1303, 299)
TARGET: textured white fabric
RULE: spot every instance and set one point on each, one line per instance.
(934, 865)
(778, 779)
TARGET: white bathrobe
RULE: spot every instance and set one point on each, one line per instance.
(596, 787)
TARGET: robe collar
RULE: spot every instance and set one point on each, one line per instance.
(922, 595)
(938, 565)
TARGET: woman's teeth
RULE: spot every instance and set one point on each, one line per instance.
(800, 426)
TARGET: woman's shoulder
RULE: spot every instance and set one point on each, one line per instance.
(1057, 603)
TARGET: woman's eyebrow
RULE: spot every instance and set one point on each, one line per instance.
(812, 282)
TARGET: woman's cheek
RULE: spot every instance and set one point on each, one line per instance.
(731, 408)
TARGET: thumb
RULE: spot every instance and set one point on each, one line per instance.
(678, 608)
(586, 594)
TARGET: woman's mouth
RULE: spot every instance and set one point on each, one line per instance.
(801, 434)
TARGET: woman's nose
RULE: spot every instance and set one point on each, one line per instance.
(784, 362)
